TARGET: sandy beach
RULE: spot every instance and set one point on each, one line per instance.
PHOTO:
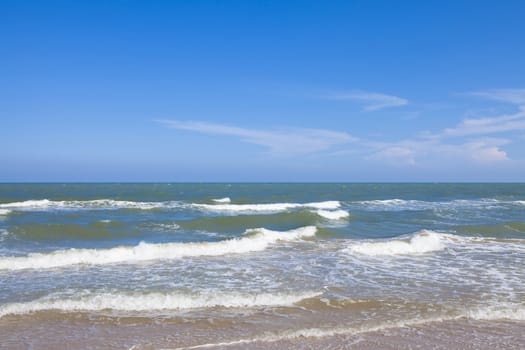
(80, 332)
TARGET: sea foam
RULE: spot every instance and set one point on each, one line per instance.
(421, 242)
(333, 214)
(46, 204)
(252, 240)
(156, 301)
(4, 212)
(267, 207)
(396, 204)
(506, 310)
(222, 205)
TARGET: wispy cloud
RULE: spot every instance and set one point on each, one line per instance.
(281, 141)
(372, 101)
(515, 96)
(484, 126)
(490, 125)
(396, 154)
(471, 140)
(414, 151)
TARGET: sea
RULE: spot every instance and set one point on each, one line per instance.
(262, 266)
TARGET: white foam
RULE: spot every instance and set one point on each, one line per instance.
(253, 240)
(46, 204)
(514, 313)
(4, 212)
(421, 242)
(154, 301)
(223, 205)
(498, 311)
(167, 226)
(323, 332)
(411, 204)
(333, 214)
(39, 203)
(267, 207)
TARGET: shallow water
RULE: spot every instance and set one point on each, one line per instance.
(258, 264)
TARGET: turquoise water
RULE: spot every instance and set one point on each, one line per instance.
(331, 256)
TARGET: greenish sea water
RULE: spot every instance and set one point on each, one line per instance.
(327, 256)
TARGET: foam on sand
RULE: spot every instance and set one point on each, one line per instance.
(154, 301)
(321, 332)
(509, 312)
(251, 241)
(504, 310)
(267, 207)
(420, 242)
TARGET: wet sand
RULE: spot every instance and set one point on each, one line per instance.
(87, 332)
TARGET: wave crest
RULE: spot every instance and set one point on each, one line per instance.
(333, 214)
(252, 240)
(421, 242)
(154, 301)
(267, 207)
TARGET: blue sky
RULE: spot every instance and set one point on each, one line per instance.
(262, 91)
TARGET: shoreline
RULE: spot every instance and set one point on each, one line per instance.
(88, 331)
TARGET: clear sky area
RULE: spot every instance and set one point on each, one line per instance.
(351, 91)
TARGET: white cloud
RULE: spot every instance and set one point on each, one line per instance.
(395, 154)
(485, 153)
(466, 142)
(515, 96)
(372, 101)
(282, 141)
(483, 126)
(415, 151)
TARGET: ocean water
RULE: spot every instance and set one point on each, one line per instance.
(203, 265)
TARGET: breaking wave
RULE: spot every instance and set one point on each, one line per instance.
(251, 241)
(410, 204)
(267, 207)
(421, 242)
(154, 301)
(46, 204)
(222, 205)
(333, 214)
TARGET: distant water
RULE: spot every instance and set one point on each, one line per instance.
(241, 263)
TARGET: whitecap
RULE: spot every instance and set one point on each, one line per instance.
(333, 214)
(222, 200)
(155, 301)
(267, 207)
(253, 240)
(34, 203)
(421, 242)
(46, 204)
